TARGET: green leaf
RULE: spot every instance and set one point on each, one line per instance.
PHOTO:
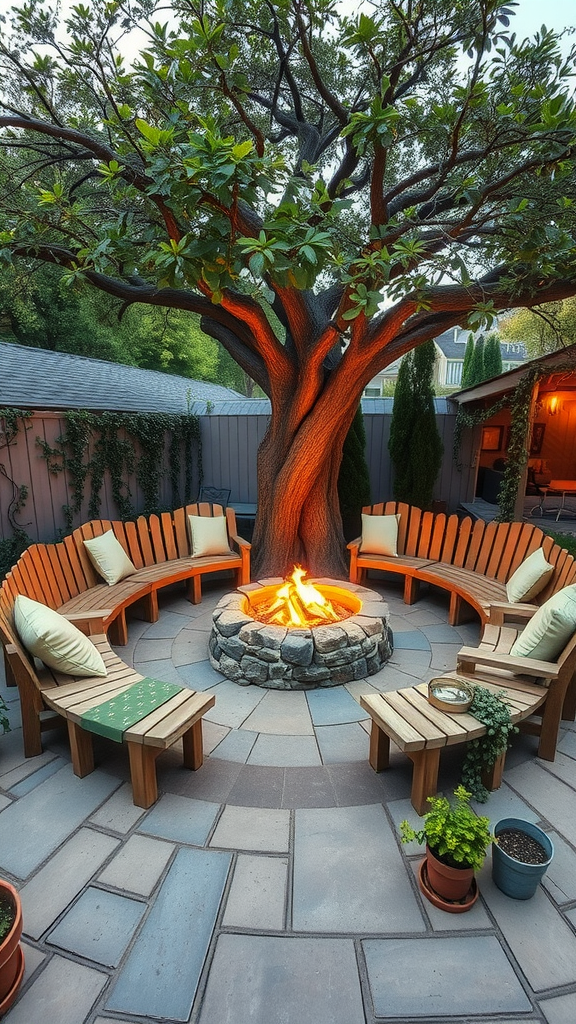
(241, 149)
(150, 133)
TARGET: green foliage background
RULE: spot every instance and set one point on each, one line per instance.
(415, 444)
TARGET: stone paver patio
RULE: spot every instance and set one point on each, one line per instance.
(270, 887)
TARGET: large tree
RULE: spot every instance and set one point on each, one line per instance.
(327, 192)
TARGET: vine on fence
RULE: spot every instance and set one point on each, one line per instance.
(12, 547)
(123, 444)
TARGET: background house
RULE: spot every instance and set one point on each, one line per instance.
(450, 348)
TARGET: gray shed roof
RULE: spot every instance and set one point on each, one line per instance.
(34, 378)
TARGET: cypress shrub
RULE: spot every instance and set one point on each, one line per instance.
(415, 444)
(477, 374)
(467, 365)
(492, 357)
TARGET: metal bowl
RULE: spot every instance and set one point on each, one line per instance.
(450, 693)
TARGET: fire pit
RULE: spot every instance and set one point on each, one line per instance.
(296, 634)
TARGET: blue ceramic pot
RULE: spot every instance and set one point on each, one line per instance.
(513, 877)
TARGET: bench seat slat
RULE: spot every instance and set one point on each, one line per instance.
(433, 734)
(160, 727)
(452, 728)
(404, 735)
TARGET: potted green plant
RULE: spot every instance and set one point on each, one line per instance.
(456, 841)
(11, 953)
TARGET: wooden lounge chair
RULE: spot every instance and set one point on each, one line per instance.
(539, 693)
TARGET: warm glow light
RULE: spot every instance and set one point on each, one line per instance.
(554, 406)
(299, 603)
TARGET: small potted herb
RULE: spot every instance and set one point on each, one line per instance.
(457, 841)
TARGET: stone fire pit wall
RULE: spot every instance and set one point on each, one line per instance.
(251, 652)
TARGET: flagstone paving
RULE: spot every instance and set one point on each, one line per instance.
(270, 887)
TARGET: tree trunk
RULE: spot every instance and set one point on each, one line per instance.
(298, 520)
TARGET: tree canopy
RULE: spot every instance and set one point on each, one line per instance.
(325, 191)
(543, 329)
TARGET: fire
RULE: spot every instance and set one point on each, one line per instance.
(298, 603)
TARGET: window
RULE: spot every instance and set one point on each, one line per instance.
(454, 371)
(371, 392)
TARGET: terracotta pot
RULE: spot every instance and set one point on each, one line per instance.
(449, 883)
(11, 954)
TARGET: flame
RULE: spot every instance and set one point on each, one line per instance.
(297, 603)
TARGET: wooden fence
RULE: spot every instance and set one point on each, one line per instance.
(229, 449)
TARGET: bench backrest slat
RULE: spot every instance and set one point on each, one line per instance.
(131, 542)
(414, 522)
(425, 537)
(501, 547)
(26, 579)
(437, 536)
(168, 534)
(52, 556)
(52, 578)
(37, 574)
(450, 539)
(79, 563)
(145, 541)
(157, 539)
(86, 532)
(182, 533)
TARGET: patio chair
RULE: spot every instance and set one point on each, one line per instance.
(215, 495)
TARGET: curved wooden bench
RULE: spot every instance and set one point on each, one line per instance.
(42, 688)
(540, 694)
(471, 560)
(62, 576)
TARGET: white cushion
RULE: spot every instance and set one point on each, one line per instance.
(57, 642)
(109, 558)
(209, 535)
(530, 578)
(379, 535)
(550, 628)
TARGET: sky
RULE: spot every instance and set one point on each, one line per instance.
(529, 16)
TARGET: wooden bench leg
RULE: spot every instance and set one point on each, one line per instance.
(143, 773)
(31, 705)
(82, 750)
(118, 630)
(193, 746)
(150, 606)
(569, 706)
(8, 673)
(492, 777)
(411, 589)
(424, 777)
(551, 716)
(379, 756)
(459, 610)
(195, 589)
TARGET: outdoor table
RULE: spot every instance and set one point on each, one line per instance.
(564, 487)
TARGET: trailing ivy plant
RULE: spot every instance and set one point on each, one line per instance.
(12, 547)
(123, 444)
(492, 710)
